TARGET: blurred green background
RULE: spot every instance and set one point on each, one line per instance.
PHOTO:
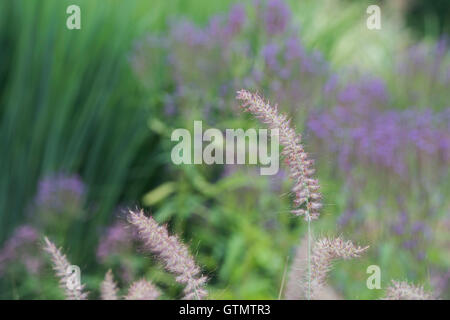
(85, 123)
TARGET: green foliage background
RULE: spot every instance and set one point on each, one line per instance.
(69, 101)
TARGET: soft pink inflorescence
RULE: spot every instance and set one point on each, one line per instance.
(405, 291)
(295, 286)
(61, 265)
(172, 253)
(108, 287)
(142, 290)
(307, 198)
(324, 252)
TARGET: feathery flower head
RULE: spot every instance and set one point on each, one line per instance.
(61, 265)
(142, 290)
(405, 291)
(171, 252)
(108, 287)
(295, 286)
(307, 198)
(324, 252)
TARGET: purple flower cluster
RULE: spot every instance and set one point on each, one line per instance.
(423, 75)
(346, 217)
(60, 191)
(396, 139)
(219, 30)
(276, 17)
(360, 129)
(116, 239)
(209, 64)
(365, 125)
(293, 76)
(413, 234)
(21, 247)
(397, 128)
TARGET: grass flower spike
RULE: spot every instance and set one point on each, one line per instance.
(295, 285)
(172, 253)
(324, 252)
(61, 265)
(108, 287)
(142, 290)
(405, 291)
(307, 198)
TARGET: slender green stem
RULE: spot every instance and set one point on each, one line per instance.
(309, 260)
(283, 279)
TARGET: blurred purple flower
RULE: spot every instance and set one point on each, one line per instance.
(59, 191)
(346, 217)
(21, 246)
(410, 244)
(294, 49)
(170, 108)
(360, 129)
(418, 227)
(276, 16)
(236, 19)
(270, 54)
(331, 84)
(186, 32)
(276, 181)
(401, 224)
(116, 239)
(420, 255)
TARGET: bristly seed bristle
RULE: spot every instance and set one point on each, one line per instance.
(324, 252)
(307, 198)
(142, 290)
(172, 252)
(109, 287)
(405, 291)
(61, 266)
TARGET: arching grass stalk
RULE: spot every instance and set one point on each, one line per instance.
(172, 252)
(307, 198)
(309, 260)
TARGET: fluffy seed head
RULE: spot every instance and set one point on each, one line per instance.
(171, 252)
(295, 286)
(142, 290)
(108, 287)
(61, 266)
(305, 186)
(405, 291)
(324, 252)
